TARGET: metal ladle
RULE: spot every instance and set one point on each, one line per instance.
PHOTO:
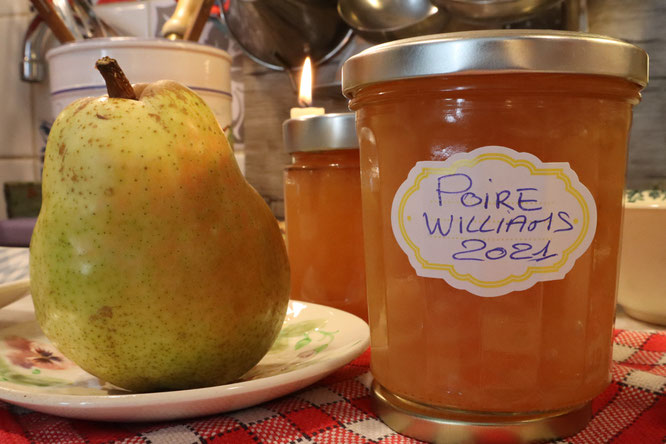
(384, 20)
(90, 24)
(384, 15)
(494, 11)
(67, 15)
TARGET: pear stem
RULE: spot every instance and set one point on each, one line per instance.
(117, 84)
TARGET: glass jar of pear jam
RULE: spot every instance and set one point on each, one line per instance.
(492, 175)
(322, 194)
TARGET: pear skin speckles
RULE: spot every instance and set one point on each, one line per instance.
(104, 312)
(154, 264)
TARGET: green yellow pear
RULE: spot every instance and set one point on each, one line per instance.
(154, 265)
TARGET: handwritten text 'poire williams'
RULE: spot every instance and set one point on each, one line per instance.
(503, 212)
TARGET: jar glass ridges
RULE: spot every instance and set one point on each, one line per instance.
(492, 168)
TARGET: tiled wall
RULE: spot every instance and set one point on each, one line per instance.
(19, 159)
(641, 22)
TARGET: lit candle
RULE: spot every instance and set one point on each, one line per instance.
(305, 94)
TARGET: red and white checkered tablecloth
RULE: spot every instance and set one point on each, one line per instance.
(337, 411)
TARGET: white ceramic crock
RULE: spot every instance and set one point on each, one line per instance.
(642, 292)
(204, 69)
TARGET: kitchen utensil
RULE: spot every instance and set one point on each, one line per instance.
(49, 14)
(184, 17)
(384, 21)
(67, 15)
(279, 34)
(388, 15)
(176, 26)
(494, 10)
(91, 24)
(194, 31)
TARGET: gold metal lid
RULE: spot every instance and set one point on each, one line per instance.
(451, 426)
(493, 51)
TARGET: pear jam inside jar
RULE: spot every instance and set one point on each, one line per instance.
(492, 173)
(323, 212)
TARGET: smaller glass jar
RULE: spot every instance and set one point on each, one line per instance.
(323, 212)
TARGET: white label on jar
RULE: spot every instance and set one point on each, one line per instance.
(493, 220)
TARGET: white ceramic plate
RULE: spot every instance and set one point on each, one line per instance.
(315, 340)
(14, 282)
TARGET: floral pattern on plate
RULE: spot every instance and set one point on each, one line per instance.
(28, 358)
(314, 341)
(298, 345)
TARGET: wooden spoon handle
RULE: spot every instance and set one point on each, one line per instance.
(194, 31)
(48, 13)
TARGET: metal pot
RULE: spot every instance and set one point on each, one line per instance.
(279, 34)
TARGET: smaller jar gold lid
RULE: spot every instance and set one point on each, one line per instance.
(320, 133)
(495, 51)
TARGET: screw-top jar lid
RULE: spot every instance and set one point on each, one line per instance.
(493, 51)
(320, 133)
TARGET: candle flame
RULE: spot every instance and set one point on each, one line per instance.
(305, 89)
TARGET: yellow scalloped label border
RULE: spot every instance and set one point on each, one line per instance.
(515, 163)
